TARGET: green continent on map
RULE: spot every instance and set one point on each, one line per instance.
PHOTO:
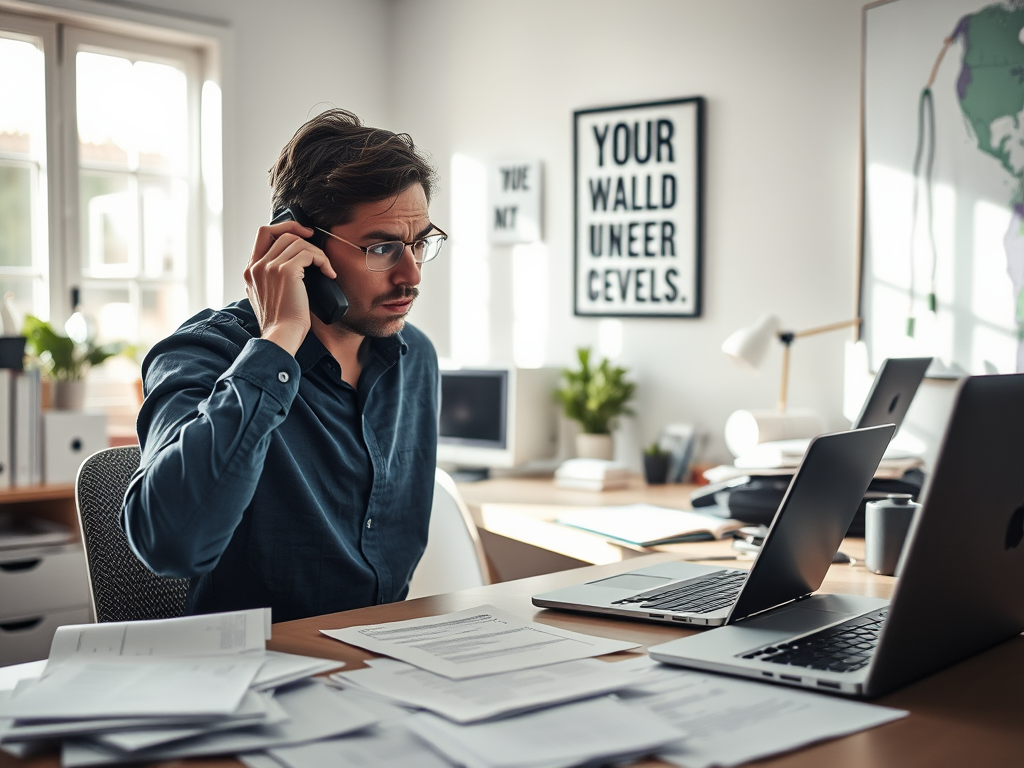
(991, 81)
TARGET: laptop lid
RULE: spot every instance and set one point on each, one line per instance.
(961, 585)
(813, 518)
(892, 391)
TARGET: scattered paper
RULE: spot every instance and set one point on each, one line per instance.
(256, 709)
(136, 687)
(315, 711)
(474, 642)
(282, 668)
(599, 729)
(384, 746)
(202, 635)
(481, 698)
(727, 721)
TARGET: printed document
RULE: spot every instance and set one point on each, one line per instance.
(481, 698)
(601, 730)
(136, 687)
(727, 721)
(204, 635)
(474, 642)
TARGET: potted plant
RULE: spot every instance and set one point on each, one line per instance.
(65, 361)
(595, 397)
(656, 460)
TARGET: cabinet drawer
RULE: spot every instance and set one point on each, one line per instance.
(44, 579)
(28, 638)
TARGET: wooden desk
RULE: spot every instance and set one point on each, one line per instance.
(971, 714)
(515, 516)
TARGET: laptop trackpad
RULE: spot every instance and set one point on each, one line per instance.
(637, 582)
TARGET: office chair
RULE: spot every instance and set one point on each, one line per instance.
(121, 586)
(454, 558)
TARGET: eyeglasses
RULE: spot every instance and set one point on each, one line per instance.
(383, 256)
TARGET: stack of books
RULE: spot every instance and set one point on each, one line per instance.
(592, 475)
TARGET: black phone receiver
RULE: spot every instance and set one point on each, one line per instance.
(326, 299)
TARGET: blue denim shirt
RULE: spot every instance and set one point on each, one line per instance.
(268, 481)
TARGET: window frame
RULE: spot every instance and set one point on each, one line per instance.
(76, 39)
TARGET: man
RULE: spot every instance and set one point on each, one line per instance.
(286, 462)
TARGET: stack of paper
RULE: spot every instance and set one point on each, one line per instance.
(155, 690)
(592, 475)
(646, 525)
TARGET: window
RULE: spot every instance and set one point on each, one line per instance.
(102, 196)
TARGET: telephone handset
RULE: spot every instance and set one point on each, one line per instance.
(326, 299)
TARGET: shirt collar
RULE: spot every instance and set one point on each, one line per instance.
(312, 350)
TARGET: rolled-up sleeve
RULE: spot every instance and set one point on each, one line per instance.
(212, 403)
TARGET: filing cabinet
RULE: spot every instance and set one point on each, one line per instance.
(41, 588)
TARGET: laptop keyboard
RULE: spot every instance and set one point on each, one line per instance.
(710, 593)
(845, 647)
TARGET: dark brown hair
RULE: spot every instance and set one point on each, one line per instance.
(334, 162)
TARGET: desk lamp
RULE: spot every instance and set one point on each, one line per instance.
(748, 347)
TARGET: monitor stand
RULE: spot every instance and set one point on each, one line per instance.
(470, 474)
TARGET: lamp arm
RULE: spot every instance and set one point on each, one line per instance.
(826, 328)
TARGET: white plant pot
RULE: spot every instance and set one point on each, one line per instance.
(594, 446)
(68, 395)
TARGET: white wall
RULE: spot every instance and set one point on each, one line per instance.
(488, 78)
(782, 78)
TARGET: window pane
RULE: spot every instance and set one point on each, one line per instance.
(161, 108)
(24, 290)
(105, 109)
(164, 308)
(22, 107)
(110, 311)
(15, 216)
(109, 223)
(164, 227)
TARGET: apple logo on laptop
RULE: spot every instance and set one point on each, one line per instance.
(1015, 530)
(892, 405)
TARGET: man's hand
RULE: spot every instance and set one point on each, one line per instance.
(273, 282)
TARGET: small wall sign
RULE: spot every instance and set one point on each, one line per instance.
(639, 190)
(514, 201)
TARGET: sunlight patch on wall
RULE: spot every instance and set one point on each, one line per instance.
(471, 273)
(530, 290)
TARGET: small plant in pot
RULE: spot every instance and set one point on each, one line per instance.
(656, 460)
(595, 397)
(64, 361)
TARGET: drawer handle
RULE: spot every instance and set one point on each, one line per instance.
(20, 565)
(19, 626)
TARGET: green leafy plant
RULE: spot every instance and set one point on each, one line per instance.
(62, 358)
(595, 396)
(654, 450)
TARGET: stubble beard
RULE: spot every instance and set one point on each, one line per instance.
(358, 320)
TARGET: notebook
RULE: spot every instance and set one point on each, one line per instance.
(646, 525)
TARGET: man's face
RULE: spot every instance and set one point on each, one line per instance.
(379, 301)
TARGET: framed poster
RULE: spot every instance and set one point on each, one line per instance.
(942, 257)
(639, 193)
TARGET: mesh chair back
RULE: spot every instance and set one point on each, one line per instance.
(123, 589)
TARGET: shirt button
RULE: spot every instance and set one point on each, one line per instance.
(369, 523)
(283, 377)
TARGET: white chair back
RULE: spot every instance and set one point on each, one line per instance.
(454, 558)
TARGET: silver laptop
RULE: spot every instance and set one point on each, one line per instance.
(892, 391)
(960, 585)
(808, 528)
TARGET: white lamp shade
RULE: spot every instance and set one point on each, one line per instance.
(748, 345)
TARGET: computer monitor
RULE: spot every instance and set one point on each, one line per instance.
(496, 417)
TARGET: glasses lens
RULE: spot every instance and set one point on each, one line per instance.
(431, 246)
(383, 256)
